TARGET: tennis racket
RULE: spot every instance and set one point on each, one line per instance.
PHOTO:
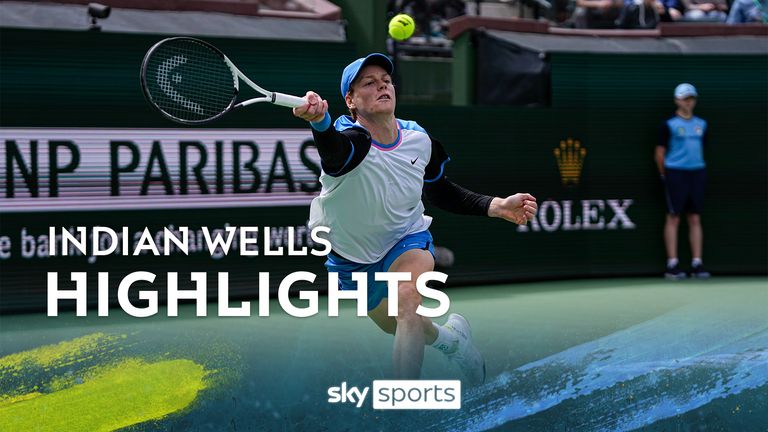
(191, 82)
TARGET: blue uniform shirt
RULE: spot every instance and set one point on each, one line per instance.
(684, 141)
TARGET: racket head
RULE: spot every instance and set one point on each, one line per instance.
(188, 80)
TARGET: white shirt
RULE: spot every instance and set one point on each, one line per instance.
(377, 203)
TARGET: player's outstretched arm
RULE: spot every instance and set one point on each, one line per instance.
(335, 149)
(314, 110)
(518, 208)
(448, 196)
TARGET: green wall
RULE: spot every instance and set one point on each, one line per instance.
(73, 78)
(639, 82)
(463, 70)
(366, 24)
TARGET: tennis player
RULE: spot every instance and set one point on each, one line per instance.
(374, 170)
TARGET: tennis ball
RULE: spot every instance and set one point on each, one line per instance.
(401, 27)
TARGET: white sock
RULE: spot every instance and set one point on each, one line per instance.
(671, 262)
(446, 341)
(696, 262)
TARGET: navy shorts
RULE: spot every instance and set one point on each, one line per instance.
(685, 190)
(377, 290)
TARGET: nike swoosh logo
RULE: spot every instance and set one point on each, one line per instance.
(413, 162)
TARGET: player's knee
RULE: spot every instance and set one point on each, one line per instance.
(694, 219)
(673, 219)
(408, 300)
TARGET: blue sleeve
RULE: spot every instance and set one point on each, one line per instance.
(323, 124)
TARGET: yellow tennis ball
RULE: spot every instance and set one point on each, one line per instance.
(401, 27)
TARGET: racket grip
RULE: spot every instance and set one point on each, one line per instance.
(289, 101)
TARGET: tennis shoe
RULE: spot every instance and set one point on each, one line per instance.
(674, 273)
(466, 356)
(698, 272)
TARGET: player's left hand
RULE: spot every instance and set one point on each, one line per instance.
(518, 208)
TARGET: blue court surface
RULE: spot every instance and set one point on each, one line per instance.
(587, 355)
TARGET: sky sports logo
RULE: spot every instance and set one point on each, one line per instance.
(401, 394)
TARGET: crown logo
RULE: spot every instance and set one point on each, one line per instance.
(570, 159)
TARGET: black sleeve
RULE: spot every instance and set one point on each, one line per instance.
(341, 152)
(451, 197)
(437, 161)
(664, 135)
(447, 195)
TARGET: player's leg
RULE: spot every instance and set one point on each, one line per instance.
(412, 332)
(695, 230)
(695, 234)
(441, 337)
(414, 254)
(675, 193)
(408, 352)
(452, 339)
(671, 226)
(388, 323)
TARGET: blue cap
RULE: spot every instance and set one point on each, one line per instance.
(351, 71)
(685, 90)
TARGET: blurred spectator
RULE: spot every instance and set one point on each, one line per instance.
(421, 12)
(442, 11)
(746, 11)
(640, 14)
(448, 9)
(431, 16)
(706, 10)
(596, 13)
(673, 10)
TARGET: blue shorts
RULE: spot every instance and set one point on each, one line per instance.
(685, 190)
(377, 290)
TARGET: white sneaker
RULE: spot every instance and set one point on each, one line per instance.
(468, 358)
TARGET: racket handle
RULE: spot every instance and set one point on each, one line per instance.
(289, 101)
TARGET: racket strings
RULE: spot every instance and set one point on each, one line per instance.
(212, 97)
(189, 81)
(201, 79)
(203, 93)
(165, 84)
